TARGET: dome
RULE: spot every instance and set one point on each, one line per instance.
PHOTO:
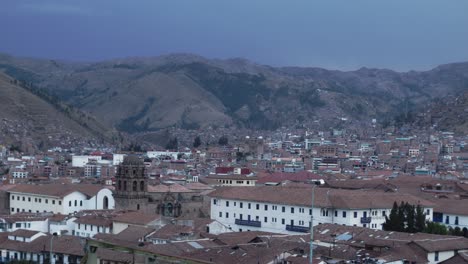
(132, 160)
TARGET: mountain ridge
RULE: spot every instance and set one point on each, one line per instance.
(191, 91)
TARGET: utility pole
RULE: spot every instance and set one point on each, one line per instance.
(311, 253)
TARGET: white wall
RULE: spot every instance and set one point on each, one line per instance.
(85, 230)
(60, 227)
(69, 204)
(34, 203)
(443, 255)
(81, 161)
(97, 201)
(272, 218)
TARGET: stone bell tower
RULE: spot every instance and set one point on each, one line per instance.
(131, 185)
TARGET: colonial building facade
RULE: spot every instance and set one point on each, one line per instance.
(288, 209)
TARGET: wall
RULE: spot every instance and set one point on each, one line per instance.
(272, 218)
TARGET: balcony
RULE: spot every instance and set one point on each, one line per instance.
(301, 229)
(248, 223)
(366, 220)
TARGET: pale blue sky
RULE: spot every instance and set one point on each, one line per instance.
(347, 34)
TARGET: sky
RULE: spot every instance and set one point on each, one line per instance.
(335, 34)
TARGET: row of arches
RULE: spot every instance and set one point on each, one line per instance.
(122, 186)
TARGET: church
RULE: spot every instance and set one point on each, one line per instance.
(132, 192)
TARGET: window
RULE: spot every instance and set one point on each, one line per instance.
(336, 213)
(266, 207)
(29, 199)
(91, 227)
(134, 186)
(283, 221)
(12, 209)
(220, 214)
(344, 214)
(53, 201)
(76, 203)
(227, 215)
(310, 211)
(40, 200)
(227, 203)
(355, 214)
(292, 210)
(265, 219)
(384, 213)
(456, 220)
(241, 205)
(79, 226)
(214, 201)
(85, 226)
(235, 203)
(35, 200)
(17, 198)
(283, 209)
(301, 222)
(142, 186)
(257, 206)
(12, 197)
(46, 201)
(81, 203)
(273, 219)
(24, 198)
(60, 202)
(436, 256)
(240, 216)
(447, 219)
(249, 206)
(274, 207)
(301, 210)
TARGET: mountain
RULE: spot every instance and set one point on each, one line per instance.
(33, 119)
(189, 91)
(449, 113)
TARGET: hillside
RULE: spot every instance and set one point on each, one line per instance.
(449, 113)
(189, 91)
(31, 119)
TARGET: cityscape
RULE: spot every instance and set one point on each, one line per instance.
(182, 158)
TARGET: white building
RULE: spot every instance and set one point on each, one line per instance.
(26, 245)
(81, 161)
(59, 198)
(163, 154)
(117, 159)
(20, 174)
(288, 209)
(92, 224)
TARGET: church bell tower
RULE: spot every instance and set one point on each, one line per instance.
(131, 185)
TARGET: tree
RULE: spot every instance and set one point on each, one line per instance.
(436, 228)
(410, 218)
(420, 223)
(401, 218)
(405, 218)
(223, 140)
(393, 222)
(173, 144)
(197, 142)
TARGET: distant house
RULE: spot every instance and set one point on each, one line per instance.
(59, 198)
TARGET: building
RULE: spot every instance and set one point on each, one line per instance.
(81, 161)
(134, 193)
(33, 246)
(288, 209)
(59, 198)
